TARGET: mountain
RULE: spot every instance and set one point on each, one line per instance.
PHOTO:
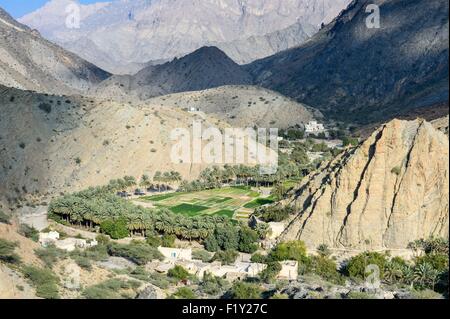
(205, 68)
(385, 193)
(243, 106)
(29, 62)
(121, 33)
(260, 46)
(51, 144)
(353, 73)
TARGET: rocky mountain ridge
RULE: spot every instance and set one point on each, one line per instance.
(29, 62)
(387, 192)
(123, 33)
(355, 73)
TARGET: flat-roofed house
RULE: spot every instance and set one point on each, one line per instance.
(173, 254)
(289, 270)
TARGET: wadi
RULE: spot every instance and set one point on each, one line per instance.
(225, 150)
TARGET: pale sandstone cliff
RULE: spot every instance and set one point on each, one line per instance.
(389, 191)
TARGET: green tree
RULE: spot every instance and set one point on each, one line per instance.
(116, 229)
(7, 253)
(247, 240)
(226, 257)
(178, 272)
(292, 250)
(244, 290)
(269, 274)
(357, 265)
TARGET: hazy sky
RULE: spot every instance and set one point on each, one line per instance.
(18, 8)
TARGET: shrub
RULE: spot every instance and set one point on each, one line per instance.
(102, 239)
(116, 229)
(139, 253)
(159, 280)
(47, 108)
(96, 253)
(226, 257)
(244, 290)
(5, 219)
(323, 250)
(109, 289)
(293, 250)
(153, 240)
(29, 232)
(325, 268)
(168, 240)
(212, 285)
(83, 262)
(275, 213)
(202, 255)
(269, 274)
(44, 280)
(183, 293)
(356, 266)
(178, 272)
(7, 252)
(396, 170)
(50, 255)
(247, 240)
(258, 258)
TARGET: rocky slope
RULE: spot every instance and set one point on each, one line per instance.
(205, 68)
(28, 61)
(354, 73)
(125, 32)
(53, 144)
(387, 192)
(243, 106)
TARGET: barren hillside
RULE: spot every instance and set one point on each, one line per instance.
(243, 106)
(29, 62)
(51, 144)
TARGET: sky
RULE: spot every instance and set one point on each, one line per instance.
(18, 8)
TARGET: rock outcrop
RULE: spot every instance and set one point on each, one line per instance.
(383, 194)
(29, 62)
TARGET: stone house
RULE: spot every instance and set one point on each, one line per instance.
(289, 270)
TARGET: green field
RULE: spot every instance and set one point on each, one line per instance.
(220, 202)
(258, 202)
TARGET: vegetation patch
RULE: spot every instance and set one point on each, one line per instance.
(225, 213)
(188, 209)
(44, 280)
(259, 202)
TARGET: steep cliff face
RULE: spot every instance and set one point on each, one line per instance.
(387, 192)
(355, 73)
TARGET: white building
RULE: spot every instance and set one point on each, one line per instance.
(289, 270)
(314, 127)
(173, 254)
(46, 239)
(68, 244)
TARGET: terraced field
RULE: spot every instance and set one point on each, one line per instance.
(232, 202)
